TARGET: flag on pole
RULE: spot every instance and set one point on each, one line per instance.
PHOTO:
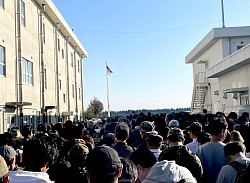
(108, 70)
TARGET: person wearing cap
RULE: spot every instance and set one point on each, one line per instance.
(77, 158)
(9, 154)
(4, 171)
(194, 129)
(178, 152)
(103, 165)
(173, 123)
(147, 128)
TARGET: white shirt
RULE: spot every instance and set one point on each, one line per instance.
(21, 176)
(156, 152)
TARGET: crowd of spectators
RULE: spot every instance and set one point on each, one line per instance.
(176, 147)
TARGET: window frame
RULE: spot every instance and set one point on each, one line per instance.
(58, 44)
(27, 72)
(2, 60)
(72, 59)
(2, 3)
(44, 33)
(79, 90)
(244, 98)
(22, 13)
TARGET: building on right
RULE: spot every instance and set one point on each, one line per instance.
(221, 71)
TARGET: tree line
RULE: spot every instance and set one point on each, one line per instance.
(95, 110)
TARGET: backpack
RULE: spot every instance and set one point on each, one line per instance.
(241, 169)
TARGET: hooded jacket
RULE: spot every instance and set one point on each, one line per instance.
(169, 172)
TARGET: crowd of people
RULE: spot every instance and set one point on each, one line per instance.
(160, 148)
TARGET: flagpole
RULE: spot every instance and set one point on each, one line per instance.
(222, 13)
(108, 92)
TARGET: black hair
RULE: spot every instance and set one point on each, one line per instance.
(155, 141)
(233, 148)
(143, 157)
(215, 126)
(175, 135)
(37, 152)
(122, 131)
(129, 171)
(203, 137)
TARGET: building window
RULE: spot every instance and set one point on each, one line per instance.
(78, 65)
(62, 53)
(58, 44)
(64, 98)
(22, 12)
(60, 84)
(72, 58)
(244, 98)
(43, 33)
(2, 61)
(2, 3)
(27, 72)
(79, 91)
(73, 91)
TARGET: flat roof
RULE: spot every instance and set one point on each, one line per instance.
(212, 37)
(238, 59)
(53, 13)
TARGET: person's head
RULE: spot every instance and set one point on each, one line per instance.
(168, 118)
(122, 131)
(218, 129)
(9, 154)
(203, 138)
(175, 137)
(174, 123)
(26, 132)
(232, 150)
(235, 136)
(4, 171)
(147, 128)
(144, 159)
(109, 139)
(103, 165)
(78, 154)
(129, 171)
(154, 141)
(41, 128)
(232, 116)
(40, 153)
(194, 129)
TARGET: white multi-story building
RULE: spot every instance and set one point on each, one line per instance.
(221, 71)
(41, 75)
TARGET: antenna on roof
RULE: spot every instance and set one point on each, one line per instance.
(222, 13)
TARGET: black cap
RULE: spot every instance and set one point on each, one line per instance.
(103, 160)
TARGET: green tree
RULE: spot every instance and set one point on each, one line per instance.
(94, 109)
